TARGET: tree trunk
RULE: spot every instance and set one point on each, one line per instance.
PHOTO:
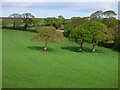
(94, 46)
(25, 26)
(13, 24)
(81, 47)
(45, 48)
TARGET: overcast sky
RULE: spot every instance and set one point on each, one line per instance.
(54, 9)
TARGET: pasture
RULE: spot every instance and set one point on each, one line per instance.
(25, 65)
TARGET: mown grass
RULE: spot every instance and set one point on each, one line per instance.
(25, 65)
(0, 59)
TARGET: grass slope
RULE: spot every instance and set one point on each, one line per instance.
(24, 65)
(0, 59)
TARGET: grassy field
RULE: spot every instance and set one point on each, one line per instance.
(0, 59)
(25, 65)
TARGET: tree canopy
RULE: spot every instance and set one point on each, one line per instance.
(80, 35)
(109, 13)
(90, 31)
(96, 16)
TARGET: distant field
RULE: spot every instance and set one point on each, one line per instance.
(25, 65)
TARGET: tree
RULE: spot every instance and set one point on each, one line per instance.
(97, 32)
(58, 23)
(72, 23)
(110, 22)
(117, 43)
(80, 35)
(60, 17)
(96, 16)
(49, 21)
(47, 35)
(117, 39)
(76, 21)
(27, 19)
(112, 25)
(67, 29)
(15, 18)
(109, 13)
(55, 22)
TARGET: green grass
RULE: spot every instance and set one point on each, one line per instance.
(25, 66)
(0, 59)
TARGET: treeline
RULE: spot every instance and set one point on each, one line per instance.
(16, 19)
(111, 33)
(99, 28)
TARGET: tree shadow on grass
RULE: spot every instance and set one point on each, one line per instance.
(89, 50)
(40, 48)
(85, 49)
(70, 48)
